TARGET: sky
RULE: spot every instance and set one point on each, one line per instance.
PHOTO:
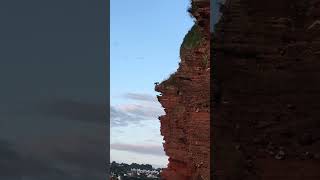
(53, 121)
(145, 38)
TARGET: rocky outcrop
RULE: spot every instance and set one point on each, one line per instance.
(185, 99)
(267, 92)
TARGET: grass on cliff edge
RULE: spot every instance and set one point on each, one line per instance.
(193, 38)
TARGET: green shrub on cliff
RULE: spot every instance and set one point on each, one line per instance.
(193, 38)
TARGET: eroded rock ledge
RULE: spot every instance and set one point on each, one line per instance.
(185, 96)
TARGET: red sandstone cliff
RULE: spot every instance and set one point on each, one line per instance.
(185, 96)
(268, 72)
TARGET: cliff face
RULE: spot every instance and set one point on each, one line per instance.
(267, 74)
(185, 98)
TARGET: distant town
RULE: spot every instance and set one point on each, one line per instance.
(134, 171)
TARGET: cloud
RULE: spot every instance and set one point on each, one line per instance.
(126, 114)
(141, 149)
(10, 160)
(14, 164)
(122, 118)
(68, 156)
(145, 111)
(145, 107)
(75, 110)
(87, 153)
(64, 150)
(141, 97)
